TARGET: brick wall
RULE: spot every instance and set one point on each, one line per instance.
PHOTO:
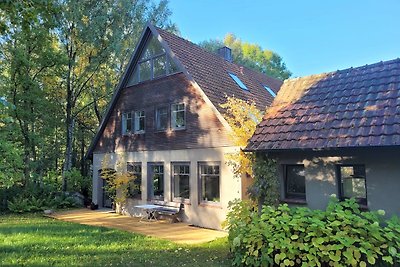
(203, 129)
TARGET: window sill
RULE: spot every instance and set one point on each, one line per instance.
(294, 201)
(184, 201)
(139, 133)
(215, 205)
(178, 129)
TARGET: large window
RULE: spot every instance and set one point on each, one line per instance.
(161, 118)
(154, 63)
(180, 181)
(135, 169)
(295, 182)
(139, 121)
(209, 181)
(178, 116)
(352, 182)
(156, 181)
(127, 122)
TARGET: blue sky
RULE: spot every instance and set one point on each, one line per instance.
(311, 36)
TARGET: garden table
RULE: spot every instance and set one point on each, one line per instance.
(149, 211)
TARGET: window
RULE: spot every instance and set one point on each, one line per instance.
(156, 175)
(295, 187)
(139, 121)
(127, 122)
(153, 63)
(238, 81)
(135, 169)
(161, 118)
(270, 91)
(352, 183)
(180, 181)
(209, 181)
(178, 116)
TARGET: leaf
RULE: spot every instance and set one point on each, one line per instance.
(371, 259)
(388, 259)
(363, 264)
(294, 237)
(392, 251)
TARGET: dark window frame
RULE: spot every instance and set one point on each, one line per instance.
(291, 195)
(200, 180)
(135, 172)
(339, 179)
(156, 118)
(150, 181)
(173, 197)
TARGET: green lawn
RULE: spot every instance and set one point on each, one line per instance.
(34, 240)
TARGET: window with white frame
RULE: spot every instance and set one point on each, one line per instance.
(161, 118)
(139, 122)
(180, 181)
(209, 182)
(178, 116)
(127, 122)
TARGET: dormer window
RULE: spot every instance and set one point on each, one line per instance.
(238, 81)
(270, 91)
(153, 63)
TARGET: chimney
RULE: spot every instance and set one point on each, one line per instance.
(225, 52)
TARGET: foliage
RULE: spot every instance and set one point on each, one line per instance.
(342, 235)
(243, 117)
(34, 240)
(39, 203)
(77, 182)
(252, 56)
(118, 181)
(265, 188)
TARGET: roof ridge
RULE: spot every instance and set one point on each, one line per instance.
(390, 61)
(214, 54)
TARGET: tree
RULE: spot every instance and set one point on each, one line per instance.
(251, 55)
(243, 117)
(95, 36)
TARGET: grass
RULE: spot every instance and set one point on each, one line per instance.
(34, 240)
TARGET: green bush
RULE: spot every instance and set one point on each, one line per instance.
(22, 203)
(342, 235)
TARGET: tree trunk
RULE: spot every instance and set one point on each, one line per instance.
(70, 123)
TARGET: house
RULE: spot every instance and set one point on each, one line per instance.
(337, 133)
(165, 125)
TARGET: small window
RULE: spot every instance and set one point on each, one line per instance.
(161, 118)
(178, 116)
(156, 181)
(270, 91)
(295, 182)
(127, 123)
(180, 181)
(238, 81)
(139, 121)
(209, 180)
(352, 183)
(135, 169)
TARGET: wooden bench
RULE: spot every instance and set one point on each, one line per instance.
(172, 210)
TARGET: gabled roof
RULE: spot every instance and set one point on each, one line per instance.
(210, 71)
(207, 71)
(356, 107)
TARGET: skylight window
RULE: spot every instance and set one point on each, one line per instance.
(270, 91)
(238, 81)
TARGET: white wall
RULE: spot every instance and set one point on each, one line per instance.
(201, 214)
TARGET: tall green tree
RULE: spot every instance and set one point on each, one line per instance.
(251, 55)
(94, 36)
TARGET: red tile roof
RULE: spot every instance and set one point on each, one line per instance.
(210, 71)
(356, 107)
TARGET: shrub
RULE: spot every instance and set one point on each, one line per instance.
(22, 203)
(342, 235)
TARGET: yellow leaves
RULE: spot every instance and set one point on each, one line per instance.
(243, 117)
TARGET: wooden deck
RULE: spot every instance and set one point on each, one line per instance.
(177, 232)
